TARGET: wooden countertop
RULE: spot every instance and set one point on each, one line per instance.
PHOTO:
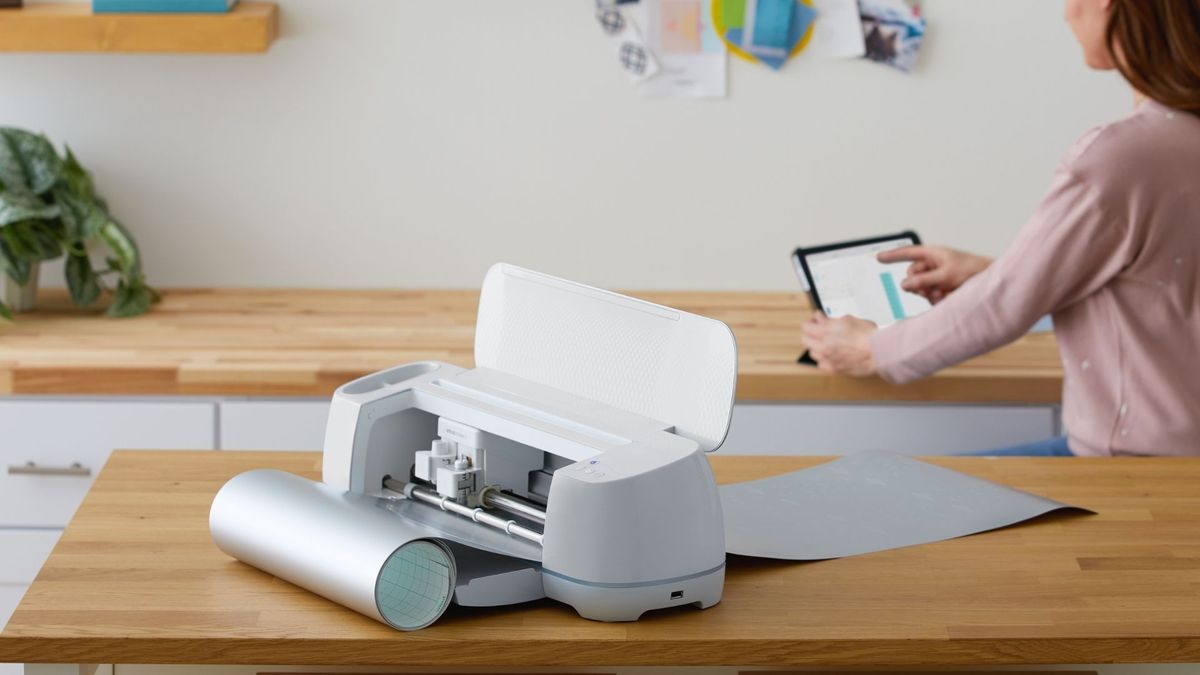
(308, 342)
(136, 579)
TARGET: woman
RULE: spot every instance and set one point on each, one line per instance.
(1113, 252)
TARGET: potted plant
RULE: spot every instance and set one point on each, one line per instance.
(49, 208)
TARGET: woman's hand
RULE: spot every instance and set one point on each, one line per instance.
(841, 345)
(936, 271)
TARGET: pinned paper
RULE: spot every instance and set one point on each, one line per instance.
(634, 57)
(893, 32)
(755, 35)
(691, 57)
(838, 32)
(766, 27)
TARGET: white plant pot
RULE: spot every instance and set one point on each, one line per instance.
(20, 298)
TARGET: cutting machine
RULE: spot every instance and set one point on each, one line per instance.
(576, 442)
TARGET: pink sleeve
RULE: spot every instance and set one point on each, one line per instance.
(1071, 247)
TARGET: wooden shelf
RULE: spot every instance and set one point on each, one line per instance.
(72, 27)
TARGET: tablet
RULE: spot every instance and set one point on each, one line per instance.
(846, 279)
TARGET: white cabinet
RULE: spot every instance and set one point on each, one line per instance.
(51, 450)
(273, 425)
(820, 429)
(10, 595)
(22, 553)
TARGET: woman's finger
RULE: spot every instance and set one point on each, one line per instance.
(915, 283)
(903, 253)
(917, 268)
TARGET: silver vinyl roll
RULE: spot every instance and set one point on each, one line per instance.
(343, 546)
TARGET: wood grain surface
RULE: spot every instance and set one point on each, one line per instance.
(136, 579)
(308, 342)
(72, 27)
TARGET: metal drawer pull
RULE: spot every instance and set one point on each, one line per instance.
(32, 469)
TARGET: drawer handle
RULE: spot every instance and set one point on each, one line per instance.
(32, 469)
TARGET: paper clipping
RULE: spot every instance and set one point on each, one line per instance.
(692, 59)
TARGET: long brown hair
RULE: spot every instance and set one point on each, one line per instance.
(1156, 46)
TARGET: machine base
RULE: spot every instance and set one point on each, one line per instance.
(613, 602)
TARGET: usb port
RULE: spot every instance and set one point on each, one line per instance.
(676, 595)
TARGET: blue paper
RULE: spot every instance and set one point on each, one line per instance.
(802, 18)
(772, 22)
(161, 6)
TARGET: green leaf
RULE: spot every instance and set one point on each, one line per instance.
(5, 313)
(18, 269)
(123, 248)
(76, 178)
(31, 241)
(82, 217)
(28, 162)
(17, 206)
(81, 280)
(130, 299)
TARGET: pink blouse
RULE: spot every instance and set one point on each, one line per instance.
(1113, 252)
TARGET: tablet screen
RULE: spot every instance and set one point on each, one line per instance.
(850, 281)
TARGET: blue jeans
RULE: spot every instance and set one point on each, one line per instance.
(1051, 447)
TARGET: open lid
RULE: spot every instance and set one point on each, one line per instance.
(655, 361)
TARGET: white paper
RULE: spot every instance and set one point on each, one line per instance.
(692, 59)
(838, 32)
(632, 54)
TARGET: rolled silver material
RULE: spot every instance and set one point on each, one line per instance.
(511, 527)
(343, 546)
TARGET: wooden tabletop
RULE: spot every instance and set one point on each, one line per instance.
(308, 342)
(136, 579)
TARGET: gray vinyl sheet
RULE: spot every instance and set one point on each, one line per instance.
(867, 502)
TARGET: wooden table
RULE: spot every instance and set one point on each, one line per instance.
(136, 579)
(308, 342)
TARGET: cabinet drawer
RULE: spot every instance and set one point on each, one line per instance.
(273, 425)
(10, 595)
(55, 435)
(820, 429)
(22, 553)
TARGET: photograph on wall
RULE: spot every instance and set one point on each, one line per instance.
(893, 31)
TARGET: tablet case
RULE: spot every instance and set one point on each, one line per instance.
(805, 275)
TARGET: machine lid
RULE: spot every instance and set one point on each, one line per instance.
(634, 355)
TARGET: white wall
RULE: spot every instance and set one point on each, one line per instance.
(404, 143)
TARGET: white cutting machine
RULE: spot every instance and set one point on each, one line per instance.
(581, 431)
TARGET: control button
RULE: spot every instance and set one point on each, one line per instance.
(589, 470)
(598, 475)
